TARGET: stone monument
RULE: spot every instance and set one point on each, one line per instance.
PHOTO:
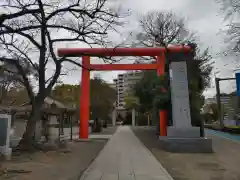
(182, 136)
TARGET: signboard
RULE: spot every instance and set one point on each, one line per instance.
(237, 75)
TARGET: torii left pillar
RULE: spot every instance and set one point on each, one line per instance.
(85, 98)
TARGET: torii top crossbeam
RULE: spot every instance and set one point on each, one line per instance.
(76, 52)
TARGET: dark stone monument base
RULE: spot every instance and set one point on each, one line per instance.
(186, 145)
(190, 132)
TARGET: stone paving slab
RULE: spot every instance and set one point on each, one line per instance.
(100, 136)
(125, 158)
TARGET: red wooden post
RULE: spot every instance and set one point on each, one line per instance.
(162, 113)
(163, 122)
(84, 99)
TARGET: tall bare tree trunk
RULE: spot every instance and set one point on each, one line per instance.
(28, 142)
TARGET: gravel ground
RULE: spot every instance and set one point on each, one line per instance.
(221, 165)
(57, 165)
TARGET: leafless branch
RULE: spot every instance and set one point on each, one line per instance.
(4, 17)
(162, 29)
(36, 23)
(21, 71)
(231, 10)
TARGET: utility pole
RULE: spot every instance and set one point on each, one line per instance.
(218, 97)
(219, 101)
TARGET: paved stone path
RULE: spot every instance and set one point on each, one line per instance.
(125, 158)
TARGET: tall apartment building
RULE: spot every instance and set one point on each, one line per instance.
(124, 84)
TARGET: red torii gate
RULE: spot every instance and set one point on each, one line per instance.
(86, 53)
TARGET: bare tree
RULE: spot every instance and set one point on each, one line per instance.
(30, 31)
(229, 7)
(9, 78)
(231, 11)
(162, 29)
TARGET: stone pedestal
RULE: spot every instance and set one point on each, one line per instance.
(38, 130)
(186, 145)
(191, 132)
(53, 130)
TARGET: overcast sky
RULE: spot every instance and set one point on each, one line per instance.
(202, 16)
